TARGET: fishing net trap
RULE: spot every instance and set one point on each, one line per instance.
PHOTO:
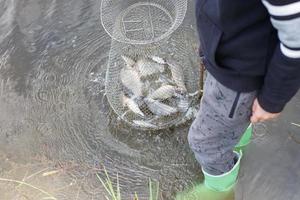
(151, 79)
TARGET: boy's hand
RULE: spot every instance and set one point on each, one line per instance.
(260, 115)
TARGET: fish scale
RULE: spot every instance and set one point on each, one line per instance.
(177, 75)
(132, 105)
(183, 103)
(147, 67)
(128, 61)
(131, 80)
(164, 92)
(160, 109)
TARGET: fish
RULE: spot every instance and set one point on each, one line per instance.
(183, 104)
(160, 67)
(132, 105)
(177, 75)
(159, 60)
(164, 92)
(165, 80)
(144, 124)
(148, 87)
(158, 108)
(147, 67)
(131, 80)
(195, 93)
(128, 61)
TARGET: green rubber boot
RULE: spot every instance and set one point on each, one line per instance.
(226, 181)
(201, 192)
(245, 139)
(214, 187)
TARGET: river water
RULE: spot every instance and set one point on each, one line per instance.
(57, 129)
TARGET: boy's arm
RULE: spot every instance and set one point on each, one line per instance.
(282, 80)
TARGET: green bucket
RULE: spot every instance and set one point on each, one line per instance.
(245, 139)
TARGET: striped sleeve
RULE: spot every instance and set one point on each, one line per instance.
(285, 17)
(282, 80)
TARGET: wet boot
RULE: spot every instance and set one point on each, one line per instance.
(245, 139)
(215, 187)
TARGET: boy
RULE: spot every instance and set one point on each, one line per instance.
(253, 66)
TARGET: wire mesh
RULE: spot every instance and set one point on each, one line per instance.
(142, 22)
(153, 86)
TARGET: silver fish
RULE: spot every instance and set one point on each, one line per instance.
(164, 92)
(131, 80)
(195, 93)
(147, 67)
(164, 80)
(144, 124)
(159, 60)
(158, 108)
(128, 61)
(132, 105)
(147, 87)
(177, 75)
(160, 67)
(183, 104)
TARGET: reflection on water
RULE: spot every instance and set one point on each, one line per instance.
(54, 117)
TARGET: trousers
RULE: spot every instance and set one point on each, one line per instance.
(223, 117)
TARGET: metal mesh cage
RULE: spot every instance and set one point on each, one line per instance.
(142, 22)
(153, 86)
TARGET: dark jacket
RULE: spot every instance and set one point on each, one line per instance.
(246, 52)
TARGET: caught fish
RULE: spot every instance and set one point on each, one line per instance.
(159, 60)
(128, 61)
(183, 104)
(144, 124)
(160, 109)
(131, 80)
(160, 67)
(150, 87)
(195, 93)
(132, 105)
(164, 80)
(164, 92)
(147, 67)
(177, 75)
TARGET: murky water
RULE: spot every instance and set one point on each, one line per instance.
(54, 118)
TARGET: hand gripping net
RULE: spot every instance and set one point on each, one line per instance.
(142, 22)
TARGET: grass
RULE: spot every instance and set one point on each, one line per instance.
(49, 196)
(295, 124)
(115, 193)
(153, 195)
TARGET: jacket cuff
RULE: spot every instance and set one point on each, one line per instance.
(270, 106)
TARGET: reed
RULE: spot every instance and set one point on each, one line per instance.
(115, 193)
(49, 196)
